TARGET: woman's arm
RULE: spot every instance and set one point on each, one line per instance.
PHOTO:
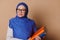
(34, 30)
(10, 35)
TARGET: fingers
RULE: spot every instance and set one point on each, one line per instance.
(38, 38)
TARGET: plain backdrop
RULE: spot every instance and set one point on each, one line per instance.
(46, 12)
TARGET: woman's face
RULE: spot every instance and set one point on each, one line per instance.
(21, 11)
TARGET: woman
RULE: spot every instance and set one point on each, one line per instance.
(21, 27)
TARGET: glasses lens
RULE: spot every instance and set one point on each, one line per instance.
(21, 9)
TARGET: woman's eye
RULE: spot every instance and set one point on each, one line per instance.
(19, 9)
(22, 9)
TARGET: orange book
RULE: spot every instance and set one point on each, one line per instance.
(38, 32)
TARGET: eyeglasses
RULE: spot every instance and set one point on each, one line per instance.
(21, 9)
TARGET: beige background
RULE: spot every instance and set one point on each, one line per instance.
(45, 12)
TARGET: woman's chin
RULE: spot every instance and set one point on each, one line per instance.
(21, 16)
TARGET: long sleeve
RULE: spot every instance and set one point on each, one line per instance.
(34, 30)
(10, 35)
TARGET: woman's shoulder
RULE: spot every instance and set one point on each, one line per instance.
(12, 19)
(31, 20)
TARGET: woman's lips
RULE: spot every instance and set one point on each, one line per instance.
(20, 14)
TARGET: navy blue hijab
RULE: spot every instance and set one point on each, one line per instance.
(25, 5)
(23, 28)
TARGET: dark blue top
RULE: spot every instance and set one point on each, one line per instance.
(23, 28)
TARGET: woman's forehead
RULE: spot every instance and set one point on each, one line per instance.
(21, 7)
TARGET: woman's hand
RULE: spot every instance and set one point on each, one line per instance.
(38, 38)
